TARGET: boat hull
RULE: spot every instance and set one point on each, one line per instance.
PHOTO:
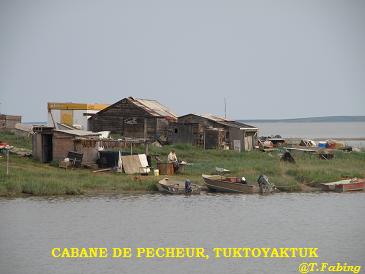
(176, 187)
(359, 186)
(345, 185)
(214, 184)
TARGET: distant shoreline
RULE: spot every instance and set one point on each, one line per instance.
(327, 138)
(325, 119)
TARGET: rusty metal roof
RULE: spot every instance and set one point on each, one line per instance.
(153, 107)
(224, 121)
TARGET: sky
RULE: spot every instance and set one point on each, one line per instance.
(269, 59)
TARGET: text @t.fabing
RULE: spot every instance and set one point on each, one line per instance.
(184, 252)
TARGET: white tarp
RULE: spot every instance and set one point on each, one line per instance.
(135, 164)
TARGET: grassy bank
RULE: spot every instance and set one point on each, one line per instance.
(16, 141)
(30, 177)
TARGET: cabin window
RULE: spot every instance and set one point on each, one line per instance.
(176, 130)
(227, 134)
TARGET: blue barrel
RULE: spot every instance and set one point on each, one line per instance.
(322, 144)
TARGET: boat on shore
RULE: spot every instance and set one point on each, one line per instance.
(354, 184)
(221, 183)
(177, 187)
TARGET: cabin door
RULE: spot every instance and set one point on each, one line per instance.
(248, 143)
(47, 155)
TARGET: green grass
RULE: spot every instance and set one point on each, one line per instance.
(30, 177)
(16, 141)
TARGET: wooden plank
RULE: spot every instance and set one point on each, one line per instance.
(131, 164)
(102, 170)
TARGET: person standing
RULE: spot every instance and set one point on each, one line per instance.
(172, 158)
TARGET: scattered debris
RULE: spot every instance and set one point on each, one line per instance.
(326, 155)
(156, 144)
(287, 157)
(73, 159)
(65, 163)
(22, 152)
(104, 134)
(307, 143)
(102, 170)
(277, 142)
(221, 170)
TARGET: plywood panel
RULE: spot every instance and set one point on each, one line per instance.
(67, 117)
(131, 164)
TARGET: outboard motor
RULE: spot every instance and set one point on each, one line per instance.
(188, 186)
(265, 185)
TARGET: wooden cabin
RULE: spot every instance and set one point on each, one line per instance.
(9, 121)
(134, 118)
(211, 131)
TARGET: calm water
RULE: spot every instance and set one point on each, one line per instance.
(30, 227)
(313, 130)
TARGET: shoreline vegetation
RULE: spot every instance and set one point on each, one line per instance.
(29, 177)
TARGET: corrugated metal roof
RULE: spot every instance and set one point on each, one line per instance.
(213, 117)
(78, 132)
(24, 127)
(242, 125)
(225, 122)
(153, 107)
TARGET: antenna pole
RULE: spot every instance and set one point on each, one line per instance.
(225, 108)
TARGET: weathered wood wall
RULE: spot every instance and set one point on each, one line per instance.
(129, 120)
(213, 138)
(191, 133)
(37, 147)
(231, 133)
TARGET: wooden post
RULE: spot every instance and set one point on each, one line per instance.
(146, 147)
(7, 162)
(145, 129)
(244, 140)
(204, 139)
(254, 140)
(122, 131)
(145, 136)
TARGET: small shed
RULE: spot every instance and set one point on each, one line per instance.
(212, 131)
(9, 121)
(134, 118)
(51, 144)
